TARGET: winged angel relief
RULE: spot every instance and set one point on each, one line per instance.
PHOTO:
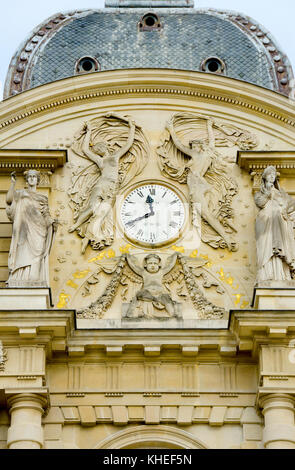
(117, 151)
(149, 284)
(188, 153)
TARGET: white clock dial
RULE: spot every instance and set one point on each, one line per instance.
(152, 214)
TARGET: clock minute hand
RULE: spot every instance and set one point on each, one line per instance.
(145, 216)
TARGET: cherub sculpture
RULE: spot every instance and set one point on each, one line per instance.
(152, 291)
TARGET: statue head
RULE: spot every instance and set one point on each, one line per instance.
(101, 148)
(32, 177)
(269, 174)
(152, 263)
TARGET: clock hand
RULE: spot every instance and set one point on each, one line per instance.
(145, 216)
(149, 201)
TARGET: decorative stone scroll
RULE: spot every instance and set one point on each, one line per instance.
(188, 153)
(32, 234)
(154, 298)
(117, 151)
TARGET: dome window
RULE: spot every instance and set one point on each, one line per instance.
(150, 22)
(86, 65)
(213, 65)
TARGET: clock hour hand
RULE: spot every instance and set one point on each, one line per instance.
(149, 201)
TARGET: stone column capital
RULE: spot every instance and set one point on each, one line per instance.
(28, 400)
(268, 401)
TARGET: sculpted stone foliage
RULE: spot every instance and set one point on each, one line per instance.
(153, 298)
(188, 153)
(3, 357)
(32, 234)
(274, 230)
(118, 151)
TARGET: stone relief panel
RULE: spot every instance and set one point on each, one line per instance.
(154, 286)
(117, 151)
(188, 153)
(109, 156)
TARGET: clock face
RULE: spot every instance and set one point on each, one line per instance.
(152, 214)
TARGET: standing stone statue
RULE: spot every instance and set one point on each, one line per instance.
(274, 230)
(32, 234)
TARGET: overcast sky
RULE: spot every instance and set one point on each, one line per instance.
(19, 17)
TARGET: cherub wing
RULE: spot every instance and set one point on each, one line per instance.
(106, 266)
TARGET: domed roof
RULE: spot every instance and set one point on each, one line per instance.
(119, 37)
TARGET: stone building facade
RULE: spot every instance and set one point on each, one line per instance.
(150, 124)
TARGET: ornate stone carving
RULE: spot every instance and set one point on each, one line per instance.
(118, 151)
(3, 357)
(274, 230)
(154, 298)
(202, 167)
(32, 235)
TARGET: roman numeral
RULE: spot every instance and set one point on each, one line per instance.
(139, 193)
(173, 202)
(173, 224)
(164, 194)
(152, 191)
(139, 233)
(176, 213)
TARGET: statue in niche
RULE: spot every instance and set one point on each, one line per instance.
(184, 276)
(118, 151)
(32, 234)
(274, 230)
(198, 163)
(152, 298)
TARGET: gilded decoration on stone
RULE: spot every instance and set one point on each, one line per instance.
(117, 151)
(274, 230)
(155, 274)
(188, 154)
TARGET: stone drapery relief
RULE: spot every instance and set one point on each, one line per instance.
(32, 234)
(156, 282)
(188, 153)
(274, 230)
(117, 151)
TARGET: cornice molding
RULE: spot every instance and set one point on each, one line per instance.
(19, 160)
(146, 83)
